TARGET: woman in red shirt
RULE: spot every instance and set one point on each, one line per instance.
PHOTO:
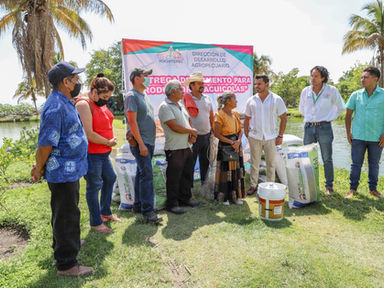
(97, 122)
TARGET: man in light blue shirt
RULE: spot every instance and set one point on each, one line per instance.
(367, 104)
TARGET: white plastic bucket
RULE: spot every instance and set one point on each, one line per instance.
(271, 200)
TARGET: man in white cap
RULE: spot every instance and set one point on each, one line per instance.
(61, 157)
(200, 108)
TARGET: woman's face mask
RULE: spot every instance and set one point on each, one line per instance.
(101, 102)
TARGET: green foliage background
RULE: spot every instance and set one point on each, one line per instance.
(108, 62)
(289, 86)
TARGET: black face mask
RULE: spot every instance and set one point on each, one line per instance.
(101, 102)
(76, 90)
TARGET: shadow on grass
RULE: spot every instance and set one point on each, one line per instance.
(139, 232)
(315, 208)
(356, 208)
(284, 223)
(92, 254)
(181, 227)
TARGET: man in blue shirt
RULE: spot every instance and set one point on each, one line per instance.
(61, 157)
(367, 104)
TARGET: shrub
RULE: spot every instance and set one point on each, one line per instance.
(23, 110)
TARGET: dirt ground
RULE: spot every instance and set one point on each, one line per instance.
(19, 185)
(11, 243)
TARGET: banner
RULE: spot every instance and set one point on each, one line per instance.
(229, 67)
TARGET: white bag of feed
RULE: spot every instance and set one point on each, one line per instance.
(125, 166)
(303, 175)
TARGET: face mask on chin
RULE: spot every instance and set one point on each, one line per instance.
(76, 90)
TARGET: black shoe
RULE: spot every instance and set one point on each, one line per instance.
(176, 210)
(136, 209)
(191, 203)
(152, 217)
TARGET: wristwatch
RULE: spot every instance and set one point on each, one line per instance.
(280, 136)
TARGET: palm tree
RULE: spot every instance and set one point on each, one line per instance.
(26, 90)
(57, 58)
(261, 65)
(34, 34)
(367, 32)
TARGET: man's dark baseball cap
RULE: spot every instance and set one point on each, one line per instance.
(61, 70)
(138, 72)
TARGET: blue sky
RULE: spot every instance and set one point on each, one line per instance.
(294, 33)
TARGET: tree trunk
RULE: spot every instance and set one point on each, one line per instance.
(34, 101)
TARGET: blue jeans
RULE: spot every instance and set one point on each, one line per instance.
(322, 134)
(100, 176)
(357, 153)
(144, 194)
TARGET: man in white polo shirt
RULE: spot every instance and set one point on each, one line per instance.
(260, 127)
(320, 104)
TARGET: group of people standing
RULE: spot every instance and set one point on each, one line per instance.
(189, 124)
(76, 138)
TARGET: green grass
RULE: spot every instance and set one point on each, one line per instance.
(332, 243)
(294, 113)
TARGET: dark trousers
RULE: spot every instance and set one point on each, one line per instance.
(179, 176)
(65, 223)
(200, 148)
(357, 154)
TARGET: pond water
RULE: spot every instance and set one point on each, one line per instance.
(12, 129)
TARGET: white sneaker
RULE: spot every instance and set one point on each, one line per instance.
(238, 202)
(226, 203)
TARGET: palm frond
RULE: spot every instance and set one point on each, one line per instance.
(59, 44)
(76, 26)
(7, 20)
(96, 6)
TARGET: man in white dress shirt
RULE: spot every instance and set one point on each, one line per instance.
(260, 127)
(320, 104)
